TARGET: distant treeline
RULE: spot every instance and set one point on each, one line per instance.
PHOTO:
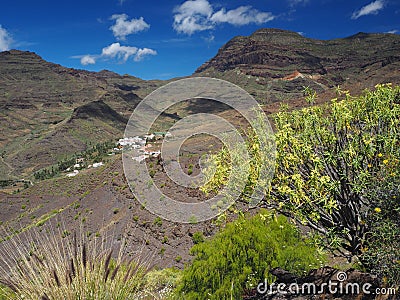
(9, 182)
(93, 154)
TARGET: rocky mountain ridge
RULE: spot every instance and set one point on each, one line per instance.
(48, 111)
(267, 63)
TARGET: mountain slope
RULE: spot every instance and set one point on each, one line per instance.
(48, 111)
(274, 64)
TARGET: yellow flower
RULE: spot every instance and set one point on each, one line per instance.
(380, 154)
(377, 210)
(385, 161)
(369, 166)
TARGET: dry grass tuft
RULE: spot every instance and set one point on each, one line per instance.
(50, 267)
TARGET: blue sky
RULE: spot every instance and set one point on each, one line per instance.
(164, 39)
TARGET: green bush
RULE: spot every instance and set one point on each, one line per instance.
(198, 237)
(381, 248)
(328, 157)
(240, 256)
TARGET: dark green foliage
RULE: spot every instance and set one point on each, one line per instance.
(4, 183)
(190, 169)
(198, 237)
(157, 221)
(95, 154)
(381, 247)
(240, 256)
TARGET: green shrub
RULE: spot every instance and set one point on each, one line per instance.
(381, 247)
(152, 173)
(160, 283)
(198, 237)
(190, 169)
(162, 251)
(328, 157)
(240, 256)
(157, 221)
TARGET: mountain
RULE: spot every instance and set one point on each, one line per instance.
(48, 111)
(274, 65)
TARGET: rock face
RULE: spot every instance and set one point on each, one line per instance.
(264, 63)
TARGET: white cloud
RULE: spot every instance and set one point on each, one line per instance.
(141, 53)
(192, 16)
(88, 60)
(115, 50)
(198, 15)
(5, 39)
(370, 9)
(124, 27)
(392, 31)
(193, 7)
(242, 15)
(118, 51)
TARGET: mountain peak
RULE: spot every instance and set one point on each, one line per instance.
(20, 54)
(274, 34)
(279, 62)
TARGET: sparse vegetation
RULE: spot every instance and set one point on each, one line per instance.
(157, 221)
(162, 250)
(190, 169)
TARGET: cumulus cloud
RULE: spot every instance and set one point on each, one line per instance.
(192, 16)
(5, 39)
(198, 15)
(124, 27)
(118, 52)
(370, 9)
(141, 53)
(242, 15)
(88, 60)
(121, 52)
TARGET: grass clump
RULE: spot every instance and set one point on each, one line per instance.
(51, 267)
